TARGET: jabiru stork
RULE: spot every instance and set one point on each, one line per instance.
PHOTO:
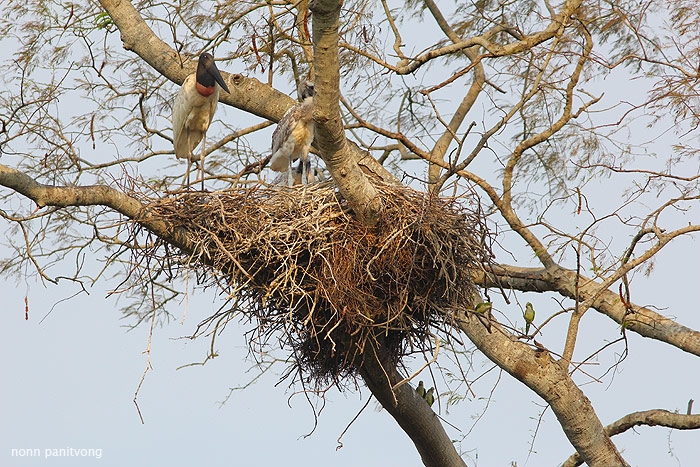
(194, 109)
(293, 136)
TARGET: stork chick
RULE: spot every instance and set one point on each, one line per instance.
(293, 136)
(194, 109)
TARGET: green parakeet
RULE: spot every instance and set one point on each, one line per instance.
(529, 316)
(430, 397)
(421, 389)
(483, 307)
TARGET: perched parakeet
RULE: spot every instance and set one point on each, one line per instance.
(483, 307)
(529, 316)
(421, 389)
(430, 397)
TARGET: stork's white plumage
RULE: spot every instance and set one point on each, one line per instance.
(293, 136)
(194, 109)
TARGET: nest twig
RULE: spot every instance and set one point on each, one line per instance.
(296, 260)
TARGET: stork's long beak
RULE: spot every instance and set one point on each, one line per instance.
(212, 70)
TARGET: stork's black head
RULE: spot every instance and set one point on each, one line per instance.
(306, 90)
(208, 74)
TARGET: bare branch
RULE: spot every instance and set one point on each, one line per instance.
(411, 412)
(550, 379)
(655, 417)
(45, 195)
(330, 134)
(643, 321)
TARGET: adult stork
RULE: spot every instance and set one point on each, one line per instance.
(293, 136)
(194, 109)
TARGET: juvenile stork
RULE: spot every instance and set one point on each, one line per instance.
(293, 137)
(194, 109)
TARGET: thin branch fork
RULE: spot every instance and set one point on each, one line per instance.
(554, 28)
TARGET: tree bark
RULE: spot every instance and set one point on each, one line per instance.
(656, 417)
(330, 133)
(410, 411)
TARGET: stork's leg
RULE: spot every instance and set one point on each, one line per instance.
(305, 165)
(304, 171)
(290, 173)
(309, 173)
(201, 158)
(186, 179)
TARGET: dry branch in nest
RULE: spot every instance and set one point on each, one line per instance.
(297, 261)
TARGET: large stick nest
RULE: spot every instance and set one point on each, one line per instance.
(298, 261)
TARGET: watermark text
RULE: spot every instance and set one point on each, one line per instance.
(57, 452)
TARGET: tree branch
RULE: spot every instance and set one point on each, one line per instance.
(95, 195)
(408, 66)
(330, 133)
(643, 321)
(440, 148)
(655, 417)
(550, 379)
(409, 410)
